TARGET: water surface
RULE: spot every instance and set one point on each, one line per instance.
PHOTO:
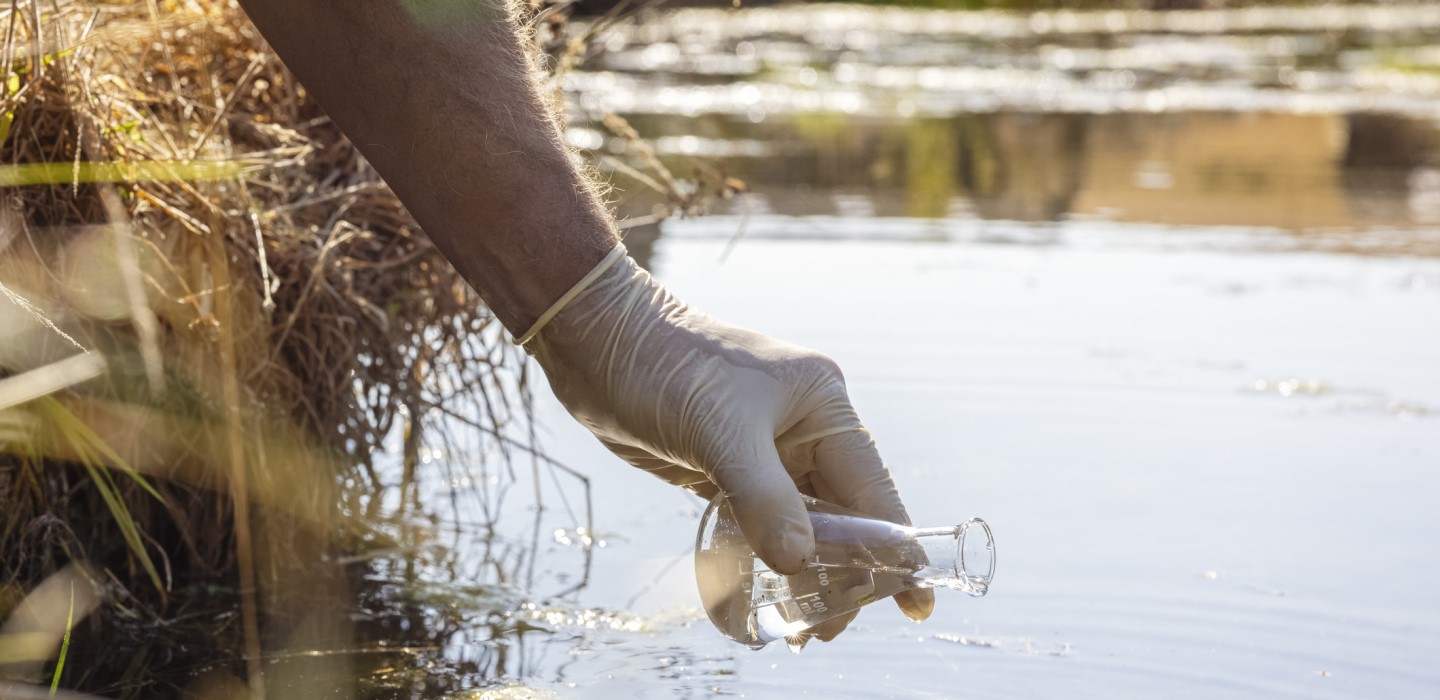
(1154, 294)
(1209, 473)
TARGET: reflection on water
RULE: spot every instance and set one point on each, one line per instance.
(1293, 172)
(475, 595)
(1296, 119)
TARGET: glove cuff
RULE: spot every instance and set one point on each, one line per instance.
(559, 305)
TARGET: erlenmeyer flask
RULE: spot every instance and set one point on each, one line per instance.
(858, 560)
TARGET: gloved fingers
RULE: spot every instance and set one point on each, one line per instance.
(816, 485)
(704, 489)
(804, 483)
(853, 472)
(766, 504)
(671, 473)
(916, 603)
(686, 478)
(830, 629)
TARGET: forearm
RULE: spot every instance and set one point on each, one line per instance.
(440, 98)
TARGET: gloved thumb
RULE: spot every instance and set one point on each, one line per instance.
(766, 504)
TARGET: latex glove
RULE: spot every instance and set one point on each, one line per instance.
(715, 409)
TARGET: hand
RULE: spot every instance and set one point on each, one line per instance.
(716, 409)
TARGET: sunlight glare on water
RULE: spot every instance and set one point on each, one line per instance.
(872, 60)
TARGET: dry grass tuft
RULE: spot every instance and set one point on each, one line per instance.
(173, 202)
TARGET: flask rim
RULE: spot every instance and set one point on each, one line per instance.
(969, 572)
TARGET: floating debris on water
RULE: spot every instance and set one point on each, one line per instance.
(508, 692)
(1362, 401)
(967, 641)
(1273, 592)
(1405, 410)
(1354, 400)
(1023, 645)
(1289, 387)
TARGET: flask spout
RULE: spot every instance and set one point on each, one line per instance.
(961, 558)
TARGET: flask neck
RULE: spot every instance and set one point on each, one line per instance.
(961, 558)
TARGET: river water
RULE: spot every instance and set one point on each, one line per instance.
(1158, 296)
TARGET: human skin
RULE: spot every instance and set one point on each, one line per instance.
(440, 97)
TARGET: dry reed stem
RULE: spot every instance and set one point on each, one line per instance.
(193, 216)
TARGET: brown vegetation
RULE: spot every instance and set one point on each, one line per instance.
(233, 307)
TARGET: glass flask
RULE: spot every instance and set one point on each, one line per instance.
(858, 560)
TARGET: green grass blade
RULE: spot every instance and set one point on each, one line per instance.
(6, 120)
(91, 452)
(64, 644)
(125, 521)
(21, 174)
(79, 433)
(12, 88)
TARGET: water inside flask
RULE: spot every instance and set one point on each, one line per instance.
(858, 560)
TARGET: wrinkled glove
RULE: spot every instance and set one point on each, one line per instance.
(715, 409)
